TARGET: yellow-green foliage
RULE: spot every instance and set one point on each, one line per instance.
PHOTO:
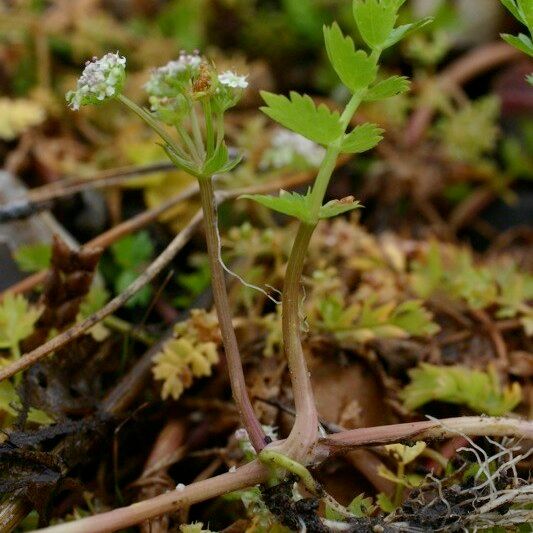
(368, 320)
(480, 391)
(191, 353)
(461, 130)
(16, 116)
(452, 273)
(17, 321)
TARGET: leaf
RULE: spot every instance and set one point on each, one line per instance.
(192, 352)
(17, 320)
(480, 391)
(300, 114)
(401, 32)
(354, 68)
(406, 454)
(514, 9)
(336, 207)
(361, 139)
(412, 317)
(392, 86)
(522, 42)
(361, 506)
(124, 280)
(385, 503)
(375, 20)
(220, 163)
(526, 7)
(288, 203)
(33, 257)
(10, 404)
(133, 250)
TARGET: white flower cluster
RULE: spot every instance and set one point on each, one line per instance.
(162, 77)
(287, 146)
(101, 79)
(230, 79)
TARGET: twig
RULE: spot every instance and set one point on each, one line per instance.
(42, 198)
(146, 217)
(246, 476)
(475, 426)
(76, 331)
(109, 237)
(254, 473)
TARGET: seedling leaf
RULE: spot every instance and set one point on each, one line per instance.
(300, 114)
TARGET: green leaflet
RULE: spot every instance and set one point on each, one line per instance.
(375, 20)
(392, 86)
(336, 207)
(354, 68)
(522, 42)
(512, 6)
(526, 9)
(298, 206)
(399, 33)
(300, 114)
(361, 139)
(220, 163)
(288, 203)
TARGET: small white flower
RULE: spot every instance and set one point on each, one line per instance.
(230, 79)
(157, 84)
(101, 79)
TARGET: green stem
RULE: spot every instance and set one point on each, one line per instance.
(149, 119)
(220, 296)
(398, 491)
(193, 150)
(304, 431)
(197, 133)
(210, 135)
(328, 163)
